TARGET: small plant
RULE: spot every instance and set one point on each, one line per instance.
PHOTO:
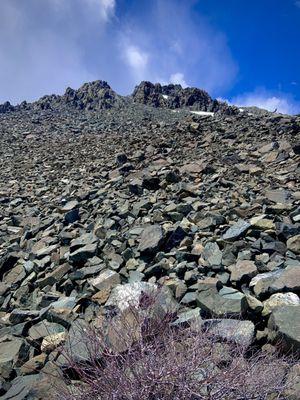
(139, 356)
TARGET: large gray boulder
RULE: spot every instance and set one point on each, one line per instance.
(281, 280)
(284, 326)
(23, 388)
(227, 301)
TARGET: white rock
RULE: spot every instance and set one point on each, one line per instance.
(278, 300)
(211, 114)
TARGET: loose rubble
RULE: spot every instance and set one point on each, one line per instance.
(102, 197)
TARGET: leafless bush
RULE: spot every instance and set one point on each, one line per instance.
(134, 357)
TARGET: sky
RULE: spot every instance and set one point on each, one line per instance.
(245, 52)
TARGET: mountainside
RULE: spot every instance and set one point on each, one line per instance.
(103, 195)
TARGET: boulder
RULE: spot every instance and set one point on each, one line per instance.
(212, 254)
(106, 280)
(239, 332)
(226, 302)
(242, 270)
(13, 351)
(236, 230)
(132, 295)
(151, 239)
(284, 326)
(293, 244)
(279, 300)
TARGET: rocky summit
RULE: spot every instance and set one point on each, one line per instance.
(103, 195)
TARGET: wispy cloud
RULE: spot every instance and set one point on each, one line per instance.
(106, 8)
(297, 3)
(103, 9)
(136, 59)
(178, 78)
(281, 102)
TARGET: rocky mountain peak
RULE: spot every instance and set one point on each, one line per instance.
(95, 95)
(174, 96)
(98, 95)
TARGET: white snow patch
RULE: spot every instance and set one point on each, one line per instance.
(165, 96)
(211, 114)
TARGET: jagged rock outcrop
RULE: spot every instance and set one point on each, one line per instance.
(96, 95)
(6, 107)
(174, 97)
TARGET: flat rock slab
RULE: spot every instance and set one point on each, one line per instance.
(151, 239)
(243, 269)
(226, 302)
(11, 353)
(106, 280)
(23, 388)
(83, 253)
(43, 329)
(237, 230)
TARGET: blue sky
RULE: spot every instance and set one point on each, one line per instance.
(247, 52)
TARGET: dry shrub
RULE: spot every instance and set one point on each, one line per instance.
(134, 357)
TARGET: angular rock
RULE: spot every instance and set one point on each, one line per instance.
(13, 351)
(151, 239)
(293, 244)
(212, 254)
(227, 301)
(81, 255)
(43, 329)
(23, 388)
(279, 300)
(284, 325)
(243, 269)
(237, 230)
(106, 280)
(239, 332)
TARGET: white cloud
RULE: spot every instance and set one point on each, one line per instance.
(178, 78)
(106, 8)
(297, 3)
(283, 103)
(136, 59)
(224, 100)
(101, 9)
